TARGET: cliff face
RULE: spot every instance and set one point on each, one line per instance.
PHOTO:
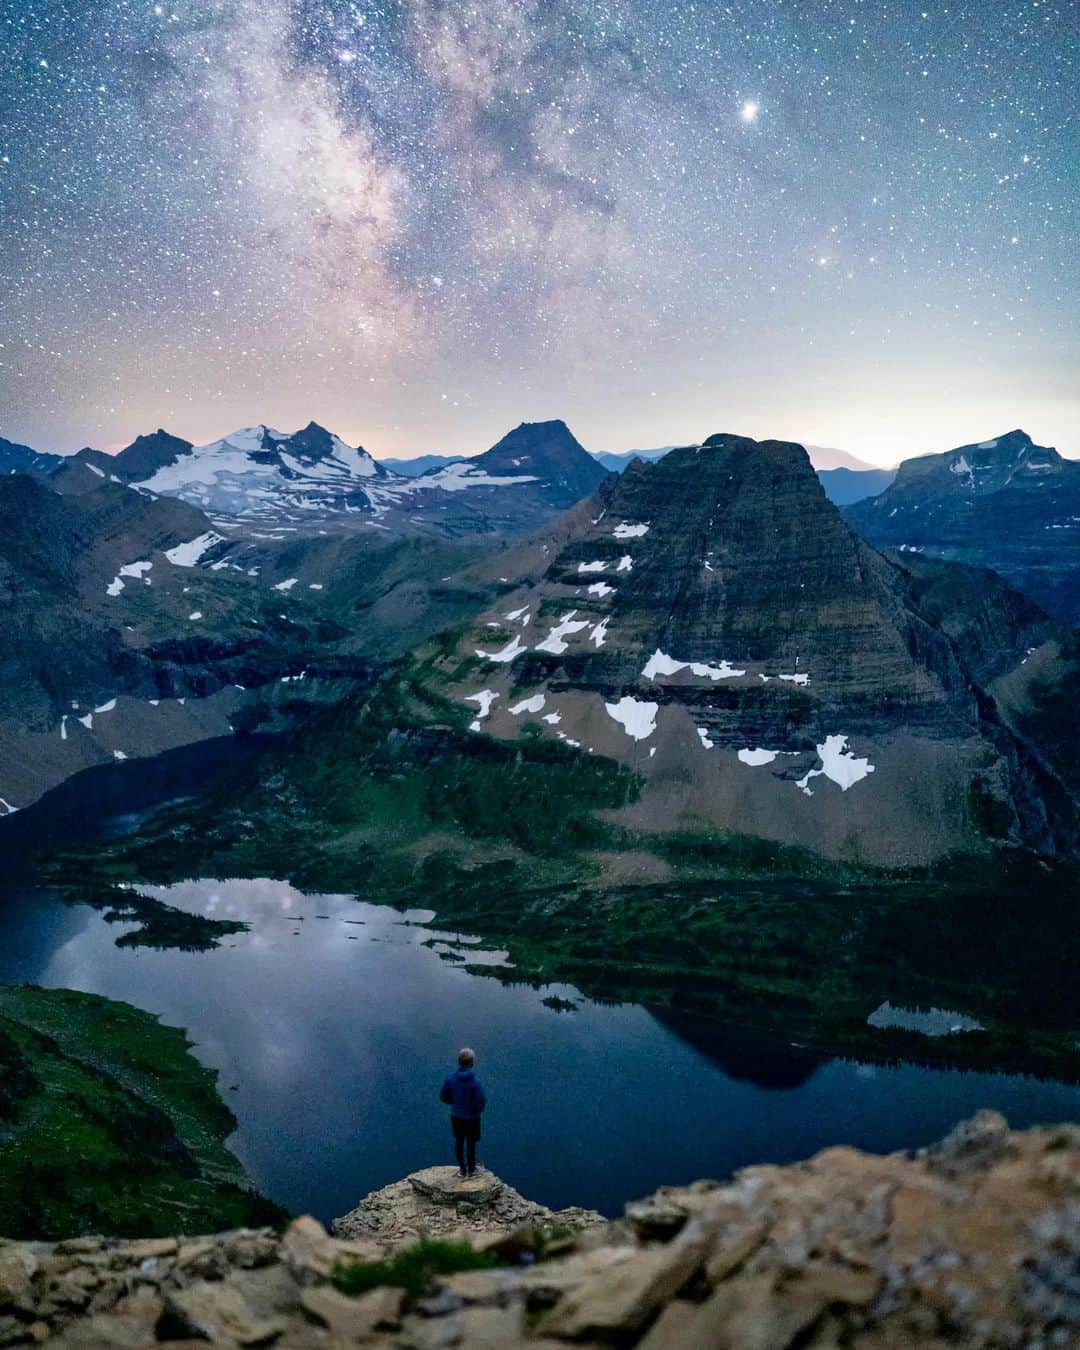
(711, 622)
(973, 1242)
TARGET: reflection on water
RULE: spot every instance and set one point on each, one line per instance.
(332, 1023)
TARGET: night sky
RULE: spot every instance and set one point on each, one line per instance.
(419, 223)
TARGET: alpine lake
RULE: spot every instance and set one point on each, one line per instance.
(331, 1021)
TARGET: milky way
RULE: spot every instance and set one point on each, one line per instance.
(420, 223)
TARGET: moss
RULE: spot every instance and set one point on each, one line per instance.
(114, 1128)
(413, 1269)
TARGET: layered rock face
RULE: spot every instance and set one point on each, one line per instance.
(711, 620)
(973, 1242)
(1007, 504)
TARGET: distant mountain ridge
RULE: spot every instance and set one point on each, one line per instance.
(1003, 503)
(301, 478)
(15, 458)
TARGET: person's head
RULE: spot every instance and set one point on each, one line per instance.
(466, 1058)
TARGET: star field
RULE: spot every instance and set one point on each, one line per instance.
(849, 223)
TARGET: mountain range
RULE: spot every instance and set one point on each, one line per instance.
(174, 573)
(288, 481)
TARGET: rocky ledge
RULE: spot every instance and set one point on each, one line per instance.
(974, 1242)
(440, 1203)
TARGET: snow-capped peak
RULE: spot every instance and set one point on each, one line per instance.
(259, 472)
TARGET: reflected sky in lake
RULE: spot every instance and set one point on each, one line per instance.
(332, 1023)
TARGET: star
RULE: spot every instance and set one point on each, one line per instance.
(749, 111)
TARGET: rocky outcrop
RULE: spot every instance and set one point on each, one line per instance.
(439, 1202)
(974, 1242)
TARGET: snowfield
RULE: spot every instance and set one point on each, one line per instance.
(187, 555)
(662, 664)
(635, 716)
(837, 764)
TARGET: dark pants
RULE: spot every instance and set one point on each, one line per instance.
(466, 1134)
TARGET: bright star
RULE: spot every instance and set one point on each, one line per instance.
(749, 111)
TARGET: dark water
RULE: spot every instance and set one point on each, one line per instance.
(332, 1023)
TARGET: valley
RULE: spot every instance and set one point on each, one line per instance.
(668, 767)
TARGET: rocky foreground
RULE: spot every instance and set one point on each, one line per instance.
(973, 1242)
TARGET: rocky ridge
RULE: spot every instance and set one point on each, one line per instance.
(973, 1242)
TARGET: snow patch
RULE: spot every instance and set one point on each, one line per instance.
(512, 649)
(800, 677)
(703, 736)
(625, 563)
(837, 763)
(600, 588)
(566, 627)
(187, 555)
(106, 707)
(986, 445)
(757, 757)
(599, 633)
(515, 614)
(485, 698)
(636, 716)
(285, 585)
(597, 565)
(129, 572)
(528, 705)
(195, 615)
(553, 718)
(627, 531)
(662, 664)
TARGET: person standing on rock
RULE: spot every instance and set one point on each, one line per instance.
(461, 1091)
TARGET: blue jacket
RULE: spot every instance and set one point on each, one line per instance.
(463, 1094)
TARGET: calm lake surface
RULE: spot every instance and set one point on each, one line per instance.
(332, 1022)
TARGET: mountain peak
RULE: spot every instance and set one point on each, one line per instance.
(550, 452)
(148, 453)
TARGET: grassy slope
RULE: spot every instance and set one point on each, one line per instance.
(108, 1124)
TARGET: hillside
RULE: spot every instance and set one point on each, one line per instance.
(107, 1124)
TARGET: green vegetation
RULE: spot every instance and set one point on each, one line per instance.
(413, 1269)
(109, 1125)
(158, 925)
